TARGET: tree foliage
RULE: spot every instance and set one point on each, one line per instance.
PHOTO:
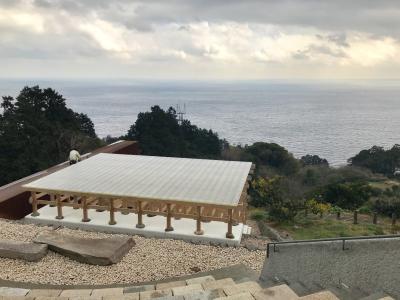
(159, 133)
(347, 195)
(272, 155)
(313, 160)
(37, 130)
(378, 160)
(274, 195)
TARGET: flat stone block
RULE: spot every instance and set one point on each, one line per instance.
(241, 296)
(249, 286)
(9, 291)
(139, 288)
(17, 298)
(324, 295)
(280, 292)
(107, 292)
(205, 295)
(171, 298)
(44, 293)
(170, 285)
(200, 279)
(131, 296)
(76, 293)
(154, 294)
(91, 251)
(218, 284)
(182, 290)
(22, 250)
(50, 298)
(85, 298)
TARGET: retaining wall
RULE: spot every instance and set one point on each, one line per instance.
(371, 265)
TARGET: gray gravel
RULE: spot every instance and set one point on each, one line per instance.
(151, 259)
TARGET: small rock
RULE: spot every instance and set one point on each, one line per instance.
(195, 269)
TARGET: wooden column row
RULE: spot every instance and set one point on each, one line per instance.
(112, 221)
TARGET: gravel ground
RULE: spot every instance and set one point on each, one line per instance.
(151, 259)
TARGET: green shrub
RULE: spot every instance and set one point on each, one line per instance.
(258, 215)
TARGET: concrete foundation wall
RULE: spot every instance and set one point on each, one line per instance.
(371, 265)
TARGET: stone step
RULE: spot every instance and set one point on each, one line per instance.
(240, 296)
(250, 286)
(377, 296)
(280, 292)
(347, 293)
(323, 295)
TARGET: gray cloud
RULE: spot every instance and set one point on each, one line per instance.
(378, 17)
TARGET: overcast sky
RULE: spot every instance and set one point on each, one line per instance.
(204, 39)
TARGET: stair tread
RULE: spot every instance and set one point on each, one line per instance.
(323, 295)
(279, 292)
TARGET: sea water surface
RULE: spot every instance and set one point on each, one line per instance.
(333, 120)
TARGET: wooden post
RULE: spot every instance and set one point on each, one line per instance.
(394, 218)
(59, 208)
(375, 219)
(355, 217)
(125, 206)
(112, 213)
(198, 222)
(52, 199)
(35, 212)
(140, 216)
(229, 234)
(85, 210)
(76, 204)
(169, 216)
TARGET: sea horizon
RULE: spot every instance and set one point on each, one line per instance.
(333, 119)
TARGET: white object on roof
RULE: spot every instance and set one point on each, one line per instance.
(151, 177)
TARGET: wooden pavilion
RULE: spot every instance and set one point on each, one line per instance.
(204, 190)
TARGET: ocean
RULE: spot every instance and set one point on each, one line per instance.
(334, 120)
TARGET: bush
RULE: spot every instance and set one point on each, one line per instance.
(258, 215)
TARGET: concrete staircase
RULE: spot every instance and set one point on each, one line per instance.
(197, 288)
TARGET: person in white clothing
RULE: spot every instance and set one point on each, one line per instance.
(74, 157)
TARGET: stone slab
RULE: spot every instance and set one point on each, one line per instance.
(154, 294)
(182, 290)
(50, 298)
(218, 284)
(9, 291)
(249, 286)
(76, 293)
(200, 279)
(280, 292)
(323, 295)
(139, 288)
(131, 296)
(22, 250)
(101, 252)
(107, 292)
(170, 285)
(241, 296)
(205, 295)
(44, 293)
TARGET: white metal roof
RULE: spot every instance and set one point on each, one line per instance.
(151, 177)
